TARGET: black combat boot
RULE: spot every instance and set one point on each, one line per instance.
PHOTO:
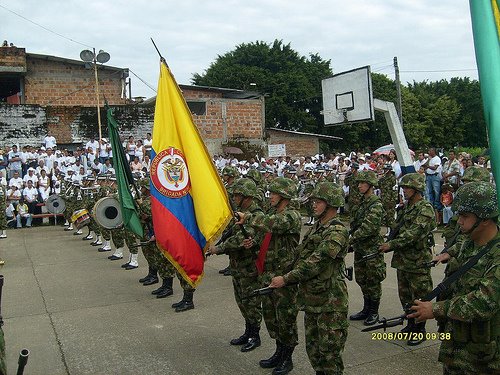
(186, 303)
(253, 339)
(286, 364)
(166, 288)
(274, 360)
(409, 327)
(363, 314)
(164, 285)
(417, 335)
(151, 273)
(372, 317)
(243, 339)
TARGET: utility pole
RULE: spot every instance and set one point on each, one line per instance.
(398, 91)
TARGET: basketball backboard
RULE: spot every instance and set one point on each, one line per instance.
(348, 97)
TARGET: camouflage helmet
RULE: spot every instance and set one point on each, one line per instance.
(330, 192)
(245, 187)
(367, 176)
(414, 181)
(476, 174)
(255, 175)
(479, 198)
(230, 171)
(144, 183)
(283, 186)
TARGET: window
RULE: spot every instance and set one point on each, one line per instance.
(197, 108)
(10, 89)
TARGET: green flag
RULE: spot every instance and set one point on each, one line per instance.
(124, 179)
(485, 16)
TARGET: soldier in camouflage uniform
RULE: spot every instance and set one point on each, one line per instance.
(471, 314)
(412, 249)
(242, 264)
(354, 198)
(452, 235)
(388, 195)
(365, 239)
(117, 234)
(282, 224)
(89, 199)
(99, 231)
(256, 177)
(229, 175)
(322, 288)
(71, 203)
(309, 184)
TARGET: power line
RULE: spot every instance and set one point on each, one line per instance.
(43, 27)
(438, 71)
(143, 81)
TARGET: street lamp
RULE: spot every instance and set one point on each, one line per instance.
(102, 57)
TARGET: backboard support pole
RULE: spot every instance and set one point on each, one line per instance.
(397, 134)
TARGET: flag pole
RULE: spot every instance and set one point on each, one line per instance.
(162, 59)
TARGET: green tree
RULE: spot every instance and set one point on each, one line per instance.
(291, 83)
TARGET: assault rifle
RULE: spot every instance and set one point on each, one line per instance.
(442, 286)
(22, 361)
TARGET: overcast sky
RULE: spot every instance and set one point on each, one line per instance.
(425, 35)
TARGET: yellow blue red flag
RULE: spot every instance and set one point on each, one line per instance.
(189, 203)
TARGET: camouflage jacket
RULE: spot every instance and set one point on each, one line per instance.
(472, 313)
(411, 245)
(320, 267)
(365, 227)
(354, 198)
(241, 260)
(387, 192)
(285, 235)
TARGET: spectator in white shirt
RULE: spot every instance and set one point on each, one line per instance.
(15, 161)
(50, 159)
(13, 195)
(104, 148)
(16, 180)
(44, 185)
(433, 181)
(92, 144)
(148, 144)
(30, 176)
(23, 212)
(30, 196)
(50, 141)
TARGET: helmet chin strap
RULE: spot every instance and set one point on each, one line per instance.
(476, 224)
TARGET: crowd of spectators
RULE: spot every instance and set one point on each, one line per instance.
(28, 176)
(31, 174)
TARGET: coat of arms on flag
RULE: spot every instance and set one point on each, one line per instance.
(169, 173)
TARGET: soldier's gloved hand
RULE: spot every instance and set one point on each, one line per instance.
(248, 243)
(442, 258)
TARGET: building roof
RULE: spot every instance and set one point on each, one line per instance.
(226, 93)
(73, 62)
(320, 136)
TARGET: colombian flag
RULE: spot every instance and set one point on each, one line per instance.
(189, 203)
(486, 29)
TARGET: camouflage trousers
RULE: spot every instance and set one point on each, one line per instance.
(3, 365)
(326, 334)
(160, 262)
(131, 240)
(99, 230)
(412, 286)
(463, 363)
(369, 275)
(280, 314)
(250, 307)
(389, 212)
(118, 236)
(3, 218)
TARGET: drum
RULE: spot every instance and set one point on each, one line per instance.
(107, 213)
(80, 218)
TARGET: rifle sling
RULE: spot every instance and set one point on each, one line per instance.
(445, 284)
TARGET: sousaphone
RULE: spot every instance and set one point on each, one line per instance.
(55, 204)
(107, 213)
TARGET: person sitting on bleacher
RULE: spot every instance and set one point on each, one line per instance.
(23, 214)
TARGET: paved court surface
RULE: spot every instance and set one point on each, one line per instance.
(79, 313)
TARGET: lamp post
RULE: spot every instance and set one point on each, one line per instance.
(102, 57)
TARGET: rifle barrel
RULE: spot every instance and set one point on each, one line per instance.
(23, 360)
